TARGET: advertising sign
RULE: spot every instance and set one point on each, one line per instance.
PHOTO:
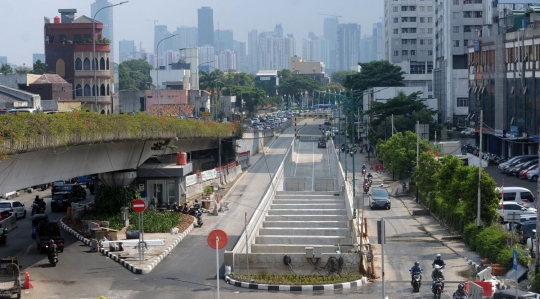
(191, 180)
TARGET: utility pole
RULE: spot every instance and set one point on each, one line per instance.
(536, 260)
(480, 123)
(417, 153)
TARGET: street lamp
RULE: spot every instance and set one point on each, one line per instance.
(94, 50)
(157, 75)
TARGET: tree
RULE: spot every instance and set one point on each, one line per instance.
(375, 74)
(38, 68)
(399, 153)
(293, 85)
(134, 74)
(334, 86)
(22, 70)
(214, 83)
(6, 69)
(424, 174)
(339, 76)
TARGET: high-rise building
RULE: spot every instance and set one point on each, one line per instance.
(105, 16)
(278, 30)
(276, 52)
(126, 50)
(348, 44)
(377, 46)
(227, 60)
(206, 26)
(366, 48)
(408, 40)
(207, 58)
(241, 57)
(330, 29)
(223, 40)
(160, 33)
(253, 51)
(456, 25)
(187, 38)
(36, 57)
(316, 49)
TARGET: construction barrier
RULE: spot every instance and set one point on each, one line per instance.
(10, 223)
(474, 286)
(379, 167)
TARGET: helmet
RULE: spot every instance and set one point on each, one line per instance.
(416, 264)
(438, 255)
(460, 286)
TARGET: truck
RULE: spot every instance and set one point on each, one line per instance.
(10, 282)
(47, 231)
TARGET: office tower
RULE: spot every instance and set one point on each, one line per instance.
(126, 49)
(377, 47)
(35, 57)
(408, 40)
(278, 30)
(105, 16)
(330, 29)
(223, 40)
(276, 52)
(253, 51)
(316, 49)
(3, 60)
(456, 25)
(241, 56)
(187, 38)
(206, 26)
(207, 58)
(227, 60)
(348, 44)
(160, 34)
(366, 48)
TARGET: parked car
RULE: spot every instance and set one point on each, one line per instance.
(13, 207)
(516, 160)
(506, 209)
(523, 173)
(380, 198)
(514, 170)
(533, 175)
(511, 294)
(518, 195)
(525, 231)
(76, 191)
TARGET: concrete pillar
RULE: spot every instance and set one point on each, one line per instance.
(177, 192)
(118, 178)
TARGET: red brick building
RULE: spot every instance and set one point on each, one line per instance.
(69, 54)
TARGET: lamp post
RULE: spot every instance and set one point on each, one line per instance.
(157, 73)
(94, 51)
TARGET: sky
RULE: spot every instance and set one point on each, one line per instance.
(22, 32)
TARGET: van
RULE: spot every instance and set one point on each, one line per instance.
(25, 110)
(518, 195)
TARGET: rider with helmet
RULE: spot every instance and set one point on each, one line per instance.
(460, 293)
(52, 248)
(438, 261)
(416, 268)
(437, 274)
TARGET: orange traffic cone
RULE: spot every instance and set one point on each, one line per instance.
(27, 284)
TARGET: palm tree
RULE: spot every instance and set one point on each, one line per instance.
(212, 82)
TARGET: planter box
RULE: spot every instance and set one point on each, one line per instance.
(498, 271)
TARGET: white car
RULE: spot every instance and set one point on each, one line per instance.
(507, 209)
(13, 206)
(533, 175)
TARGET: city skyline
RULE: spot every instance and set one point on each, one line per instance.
(27, 32)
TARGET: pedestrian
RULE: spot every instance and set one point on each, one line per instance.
(153, 203)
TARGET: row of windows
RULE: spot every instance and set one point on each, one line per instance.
(458, 2)
(80, 65)
(413, 8)
(413, 52)
(413, 19)
(413, 30)
(463, 102)
(427, 41)
(103, 91)
(420, 67)
(77, 38)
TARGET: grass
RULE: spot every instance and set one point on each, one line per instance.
(295, 279)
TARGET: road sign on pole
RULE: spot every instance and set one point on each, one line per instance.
(217, 239)
(138, 205)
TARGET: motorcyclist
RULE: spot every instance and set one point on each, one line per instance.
(438, 261)
(41, 204)
(437, 274)
(369, 176)
(416, 268)
(460, 293)
(51, 249)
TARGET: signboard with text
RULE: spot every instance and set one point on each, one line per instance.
(206, 114)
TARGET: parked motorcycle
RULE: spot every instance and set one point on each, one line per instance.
(416, 281)
(53, 257)
(195, 211)
(437, 288)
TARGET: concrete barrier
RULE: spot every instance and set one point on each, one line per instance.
(10, 223)
(420, 212)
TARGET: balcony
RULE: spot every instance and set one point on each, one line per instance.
(90, 73)
(91, 99)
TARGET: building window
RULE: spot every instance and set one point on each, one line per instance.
(413, 42)
(78, 64)
(87, 90)
(404, 41)
(421, 8)
(77, 38)
(404, 52)
(94, 90)
(430, 41)
(422, 19)
(108, 89)
(62, 38)
(396, 53)
(94, 64)
(430, 52)
(455, 43)
(422, 41)
(102, 63)
(463, 102)
(404, 8)
(430, 30)
(413, 52)
(430, 68)
(412, 8)
(396, 20)
(107, 65)
(456, 2)
(418, 68)
(422, 30)
(87, 38)
(455, 29)
(86, 64)
(396, 9)
(102, 90)
(78, 90)
(430, 8)
(396, 31)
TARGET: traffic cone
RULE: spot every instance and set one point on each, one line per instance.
(27, 283)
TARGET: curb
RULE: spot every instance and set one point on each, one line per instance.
(130, 267)
(474, 264)
(296, 288)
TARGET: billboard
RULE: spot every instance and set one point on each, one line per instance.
(517, 1)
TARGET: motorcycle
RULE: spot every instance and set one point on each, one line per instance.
(53, 257)
(37, 209)
(416, 281)
(437, 288)
(363, 171)
(460, 297)
(366, 187)
(199, 218)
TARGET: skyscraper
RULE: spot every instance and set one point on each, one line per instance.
(126, 50)
(160, 33)
(227, 60)
(315, 49)
(253, 51)
(241, 57)
(377, 46)
(330, 29)
(348, 44)
(276, 52)
(223, 40)
(106, 17)
(187, 38)
(206, 26)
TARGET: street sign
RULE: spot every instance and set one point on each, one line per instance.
(515, 260)
(138, 205)
(221, 242)
(206, 114)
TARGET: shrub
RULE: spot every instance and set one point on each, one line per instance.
(111, 198)
(155, 221)
(535, 283)
(504, 258)
(469, 235)
(208, 189)
(490, 241)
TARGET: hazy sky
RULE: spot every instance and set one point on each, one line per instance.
(22, 20)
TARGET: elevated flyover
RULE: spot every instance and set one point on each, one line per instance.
(304, 223)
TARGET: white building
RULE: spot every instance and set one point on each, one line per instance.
(276, 52)
(227, 60)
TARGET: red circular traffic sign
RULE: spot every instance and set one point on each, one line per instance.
(138, 205)
(217, 233)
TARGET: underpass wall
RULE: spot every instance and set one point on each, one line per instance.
(254, 142)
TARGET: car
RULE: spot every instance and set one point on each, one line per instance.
(322, 143)
(61, 201)
(380, 198)
(516, 160)
(523, 173)
(14, 207)
(507, 209)
(327, 122)
(57, 186)
(77, 192)
(511, 294)
(514, 171)
(525, 231)
(533, 175)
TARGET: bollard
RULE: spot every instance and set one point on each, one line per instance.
(27, 283)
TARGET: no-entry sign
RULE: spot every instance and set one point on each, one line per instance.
(138, 205)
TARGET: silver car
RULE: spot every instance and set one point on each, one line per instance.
(380, 199)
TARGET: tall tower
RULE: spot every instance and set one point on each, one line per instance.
(348, 43)
(330, 29)
(253, 51)
(106, 17)
(206, 26)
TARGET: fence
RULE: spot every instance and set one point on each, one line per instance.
(243, 159)
(195, 183)
(10, 223)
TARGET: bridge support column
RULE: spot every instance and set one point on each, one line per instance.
(118, 178)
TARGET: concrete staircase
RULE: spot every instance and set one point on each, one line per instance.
(299, 219)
